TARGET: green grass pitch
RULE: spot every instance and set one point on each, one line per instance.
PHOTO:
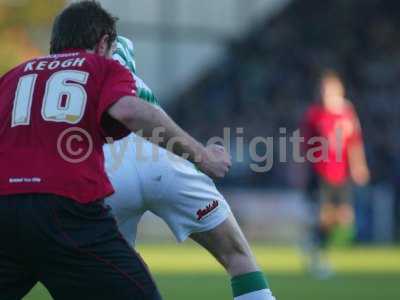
(188, 272)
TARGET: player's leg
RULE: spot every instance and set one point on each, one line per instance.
(16, 279)
(325, 222)
(191, 205)
(343, 233)
(228, 245)
(82, 255)
(188, 202)
(345, 214)
(127, 202)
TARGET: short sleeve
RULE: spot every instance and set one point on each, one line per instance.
(118, 83)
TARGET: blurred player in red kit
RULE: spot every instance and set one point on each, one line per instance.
(56, 113)
(332, 128)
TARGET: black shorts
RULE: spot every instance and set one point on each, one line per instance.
(75, 250)
(335, 194)
(321, 191)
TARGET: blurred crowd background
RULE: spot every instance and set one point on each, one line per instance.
(254, 66)
(270, 76)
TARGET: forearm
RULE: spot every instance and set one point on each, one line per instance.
(357, 155)
(155, 124)
(358, 164)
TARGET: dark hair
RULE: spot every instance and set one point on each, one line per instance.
(81, 26)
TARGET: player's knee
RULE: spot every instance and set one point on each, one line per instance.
(229, 246)
(235, 253)
(345, 217)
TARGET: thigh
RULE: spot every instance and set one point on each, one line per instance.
(127, 202)
(344, 194)
(16, 276)
(106, 272)
(84, 256)
(189, 201)
(15, 280)
(327, 193)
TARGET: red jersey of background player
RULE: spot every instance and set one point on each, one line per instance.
(54, 123)
(341, 130)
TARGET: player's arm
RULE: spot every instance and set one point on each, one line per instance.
(138, 115)
(358, 164)
(357, 159)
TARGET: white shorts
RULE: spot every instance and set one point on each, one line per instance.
(149, 178)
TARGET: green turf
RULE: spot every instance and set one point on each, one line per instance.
(187, 272)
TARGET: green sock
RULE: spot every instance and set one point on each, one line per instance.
(248, 283)
(342, 236)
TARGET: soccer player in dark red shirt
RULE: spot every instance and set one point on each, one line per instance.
(56, 113)
(337, 162)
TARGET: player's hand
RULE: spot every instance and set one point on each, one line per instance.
(360, 175)
(215, 161)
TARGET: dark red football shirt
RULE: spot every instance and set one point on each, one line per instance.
(340, 131)
(54, 122)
